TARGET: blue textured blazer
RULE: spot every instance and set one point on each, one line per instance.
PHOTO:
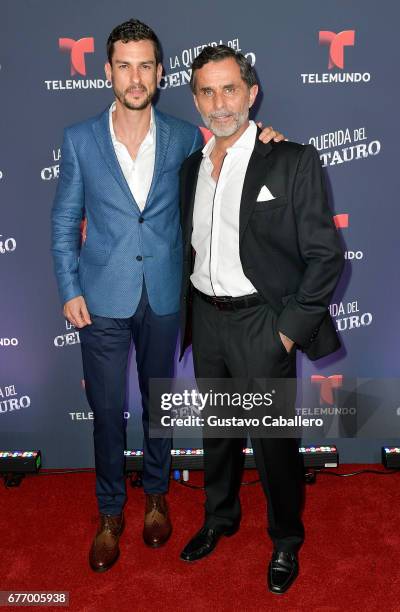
(123, 244)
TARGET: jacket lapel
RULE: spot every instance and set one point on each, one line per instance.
(253, 181)
(162, 142)
(102, 134)
(189, 185)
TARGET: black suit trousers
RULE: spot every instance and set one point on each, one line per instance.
(245, 344)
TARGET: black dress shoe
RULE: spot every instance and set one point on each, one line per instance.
(204, 542)
(282, 571)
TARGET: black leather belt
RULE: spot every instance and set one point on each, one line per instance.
(227, 302)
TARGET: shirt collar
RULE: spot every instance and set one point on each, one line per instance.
(246, 141)
(150, 134)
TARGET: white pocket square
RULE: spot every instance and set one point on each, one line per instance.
(265, 195)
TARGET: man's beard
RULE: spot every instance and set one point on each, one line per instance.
(140, 104)
(238, 119)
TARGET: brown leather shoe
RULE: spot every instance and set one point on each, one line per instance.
(105, 550)
(157, 525)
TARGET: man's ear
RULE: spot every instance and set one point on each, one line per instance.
(253, 95)
(108, 71)
(159, 73)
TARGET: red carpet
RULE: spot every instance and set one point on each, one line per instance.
(350, 560)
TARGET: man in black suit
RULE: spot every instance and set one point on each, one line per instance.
(261, 261)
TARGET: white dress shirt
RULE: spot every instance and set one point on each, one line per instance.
(217, 269)
(138, 172)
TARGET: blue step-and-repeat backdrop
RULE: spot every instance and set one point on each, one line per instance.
(329, 76)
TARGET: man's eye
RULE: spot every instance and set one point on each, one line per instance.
(207, 92)
(122, 66)
(146, 66)
(229, 90)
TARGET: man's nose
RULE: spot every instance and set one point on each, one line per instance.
(219, 101)
(134, 75)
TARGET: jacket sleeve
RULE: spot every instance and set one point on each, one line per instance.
(320, 249)
(67, 215)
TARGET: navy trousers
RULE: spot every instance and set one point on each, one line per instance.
(105, 349)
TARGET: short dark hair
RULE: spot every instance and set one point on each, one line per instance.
(221, 52)
(133, 30)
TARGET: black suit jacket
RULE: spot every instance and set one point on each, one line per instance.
(289, 246)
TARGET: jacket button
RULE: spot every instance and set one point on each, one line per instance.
(141, 219)
(139, 257)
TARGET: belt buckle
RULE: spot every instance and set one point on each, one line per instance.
(226, 304)
(217, 304)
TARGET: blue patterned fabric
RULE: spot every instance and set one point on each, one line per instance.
(123, 244)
